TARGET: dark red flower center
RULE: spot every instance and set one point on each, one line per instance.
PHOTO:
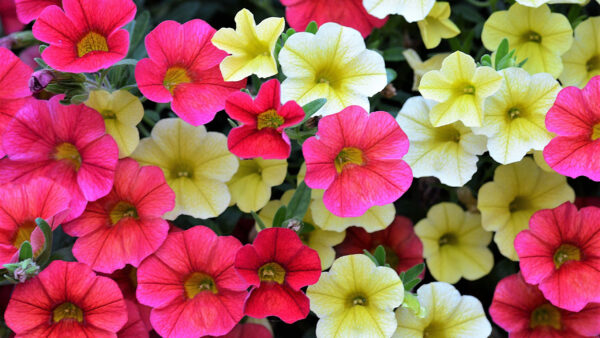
(67, 311)
(91, 42)
(23, 233)
(596, 132)
(122, 210)
(199, 282)
(348, 156)
(566, 253)
(174, 77)
(271, 272)
(545, 316)
(68, 152)
(269, 119)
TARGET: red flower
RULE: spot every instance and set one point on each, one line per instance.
(351, 13)
(135, 327)
(8, 18)
(126, 279)
(522, 310)
(65, 143)
(561, 253)
(29, 10)
(191, 284)
(125, 226)
(248, 330)
(587, 201)
(86, 36)
(67, 299)
(403, 248)
(277, 265)
(183, 68)
(264, 119)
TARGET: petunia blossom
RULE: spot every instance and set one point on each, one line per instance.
(9, 18)
(29, 10)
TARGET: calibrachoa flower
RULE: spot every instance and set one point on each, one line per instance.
(541, 41)
(251, 46)
(421, 67)
(299, 13)
(517, 192)
(522, 310)
(264, 120)
(437, 25)
(277, 265)
(411, 10)
(582, 61)
(84, 36)
(66, 299)
(196, 164)
(403, 248)
(250, 187)
(121, 111)
(248, 330)
(559, 253)
(125, 226)
(191, 284)
(183, 68)
(356, 299)
(575, 119)
(448, 152)
(514, 116)
(332, 64)
(9, 17)
(127, 280)
(460, 87)
(356, 158)
(29, 10)
(448, 315)
(538, 3)
(454, 243)
(64, 143)
(135, 327)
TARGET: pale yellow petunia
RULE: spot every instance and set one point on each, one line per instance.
(437, 25)
(250, 187)
(538, 3)
(420, 67)
(582, 61)
(411, 10)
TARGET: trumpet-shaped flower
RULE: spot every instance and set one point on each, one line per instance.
(356, 299)
(183, 68)
(135, 327)
(460, 87)
(514, 116)
(411, 10)
(251, 46)
(448, 152)
(9, 18)
(421, 67)
(250, 187)
(29, 10)
(84, 36)
(332, 64)
(536, 34)
(582, 61)
(437, 25)
(538, 3)
(127, 281)
(517, 192)
(196, 164)
(448, 315)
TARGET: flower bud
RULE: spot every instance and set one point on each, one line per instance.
(40, 80)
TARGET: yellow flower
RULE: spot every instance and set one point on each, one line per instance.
(448, 152)
(448, 315)
(251, 46)
(538, 3)
(519, 190)
(515, 115)
(454, 243)
(121, 111)
(196, 165)
(461, 88)
(437, 25)
(411, 10)
(536, 34)
(356, 299)
(250, 187)
(332, 64)
(582, 61)
(420, 67)
(538, 157)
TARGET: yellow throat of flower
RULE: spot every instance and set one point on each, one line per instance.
(199, 282)
(348, 156)
(68, 152)
(271, 272)
(23, 233)
(545, 315)
(566, 253)
(91, 42)
(596, 132)
(269, 119)
(122, 210)
(67, 311)
(174, 77)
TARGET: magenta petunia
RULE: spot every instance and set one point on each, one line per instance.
(247, 330)
(135, 327)
(29, 10)
(9, 17)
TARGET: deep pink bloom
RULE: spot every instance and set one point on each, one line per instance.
(264, 120)
(191, 284)
(86, 36)
(66, 299)
(8, 17)
(29, 54)
(522, 310)
(575, 119)
(29, 10)
(277, 265)
(135, 327)
(183, 68)
(65, 143)
(350, 13)
(248, 330)
(357, 158)
(126, 279)
(561, 253)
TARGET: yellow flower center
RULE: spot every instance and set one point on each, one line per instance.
(69, 153)
(181, 170)
(67, 311)
(468, 89)
(269, 119)
(122, 210)
(23, 233)
(514, 112)
(348, 156)
(448, 239)
(174, 77)
(566, 253)
(532, 37)
(358, 299)
(447, 133)
(108, 114)
(545, 315)
(518, 204)
(199, 282)
(92, 42)
(596, 132)
(593, 64)
(271, 272)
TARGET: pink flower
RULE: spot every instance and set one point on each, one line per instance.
(183, 68)
(135, 327)
(561, 253)
(248, 330)
(126, 279)
(8, 18)
(29, 10)
(357, 158)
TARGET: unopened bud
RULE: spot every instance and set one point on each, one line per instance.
(40, 80)
(389, 91)
(294, 224)
(312, 122)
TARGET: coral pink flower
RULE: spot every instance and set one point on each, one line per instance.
(277, 265)
(522, 310)
(561, 253)
(86, 36)
(126, 279)
(125, 226)
(183, 68)
(248, 330)
(191, 284)
(135, 327)
(351, 14)
(575, 119)
(66, 299)
(29, 10)
(357, 158)
(65, 143)
(8, 17)
(402, 246)
(264, 119)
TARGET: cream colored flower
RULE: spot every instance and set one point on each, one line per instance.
(250, 187)
(411, 10)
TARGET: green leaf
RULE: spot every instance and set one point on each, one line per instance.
(391, 74)
(299, 203)
(522, 63)
(371, 257)
(25, 251)
(411, 302)
(140, 28)
(380, 255)
(312, 27)
(127, 62)
(412, 273)
(279, 217)
(486, 60)
(393, 54)
(41, 62)
(410, 285)
(306, 228)
(501, 51)
(261, 224)
(42, 259)
(42, 48)
(312, 107)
